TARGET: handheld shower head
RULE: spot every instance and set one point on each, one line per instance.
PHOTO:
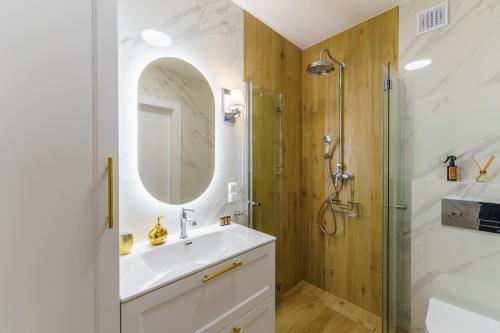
(328, 142)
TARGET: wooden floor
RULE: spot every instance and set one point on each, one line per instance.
(307, 308)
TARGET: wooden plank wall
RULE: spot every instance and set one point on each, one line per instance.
(349, 265)
(274, 63)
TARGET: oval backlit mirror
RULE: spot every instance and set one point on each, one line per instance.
(176, 134)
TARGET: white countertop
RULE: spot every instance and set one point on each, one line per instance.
(149, 267)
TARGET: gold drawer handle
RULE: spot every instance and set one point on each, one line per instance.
(237, 329)
(110, 193)
(235, 265)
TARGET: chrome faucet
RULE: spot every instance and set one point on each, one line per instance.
(184, 220)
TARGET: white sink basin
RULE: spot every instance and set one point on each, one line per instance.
(148, 268)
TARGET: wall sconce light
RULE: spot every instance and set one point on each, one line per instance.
(233, 103)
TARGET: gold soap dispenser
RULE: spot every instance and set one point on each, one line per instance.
(158, 234)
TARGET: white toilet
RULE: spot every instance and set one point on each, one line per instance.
(446, 318)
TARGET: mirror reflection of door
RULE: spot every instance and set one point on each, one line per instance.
(176, 131)
(159, 147)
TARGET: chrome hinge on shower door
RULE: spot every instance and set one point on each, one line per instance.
(387, 85)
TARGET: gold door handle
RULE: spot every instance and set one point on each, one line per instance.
(110, 193)
(237, 329)
(235, 265)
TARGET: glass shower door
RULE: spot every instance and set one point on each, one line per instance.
(397, 258)
(265, 165)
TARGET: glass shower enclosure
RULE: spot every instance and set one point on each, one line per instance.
(265, 180)
(265, 187)
(396, 241)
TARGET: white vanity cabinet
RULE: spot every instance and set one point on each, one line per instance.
(236, 295)
(259, 320)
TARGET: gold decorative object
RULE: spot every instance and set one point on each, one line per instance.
(126, 242)
(237, 329)
(484, 169)
(225, 220)
(158, 234)
(235, 265)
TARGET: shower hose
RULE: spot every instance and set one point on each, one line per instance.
(328, 202)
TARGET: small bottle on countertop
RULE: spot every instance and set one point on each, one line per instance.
(452, 170)
(225, 220)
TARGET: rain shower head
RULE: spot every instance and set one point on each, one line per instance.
(320, 67)
(323, 67)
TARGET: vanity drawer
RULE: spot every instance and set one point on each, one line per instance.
(207, 301)
(259, 320)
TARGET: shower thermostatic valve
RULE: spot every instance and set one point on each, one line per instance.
(345, 176)
(339, 173)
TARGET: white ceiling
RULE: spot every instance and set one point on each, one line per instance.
(307, 22)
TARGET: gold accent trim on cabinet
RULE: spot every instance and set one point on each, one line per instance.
(235, 265)
(110, 193)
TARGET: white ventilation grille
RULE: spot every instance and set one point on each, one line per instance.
(432, 18)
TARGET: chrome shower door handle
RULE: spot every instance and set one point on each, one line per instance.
(397, 206)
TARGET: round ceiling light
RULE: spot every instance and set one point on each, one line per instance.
(419, 64)
(156, 38)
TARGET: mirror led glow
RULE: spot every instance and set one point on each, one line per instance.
(419, 64)
(156, 38)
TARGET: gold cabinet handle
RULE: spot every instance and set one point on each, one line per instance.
(110, 193)
(235, 265)
(237, 329)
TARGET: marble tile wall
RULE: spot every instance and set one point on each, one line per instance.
(461, 267)
(452, 107)
(209, 35)
(453, 104)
